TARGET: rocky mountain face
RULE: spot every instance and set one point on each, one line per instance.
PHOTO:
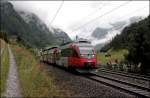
(61, 35)
(129, 35)
(135, 19)
(32, 19)
(118, 25)
(99, 32)
(27, 27)
(57, 33)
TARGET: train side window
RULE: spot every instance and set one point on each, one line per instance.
(66, 52)
(74, 53)
(70, 52)
(63, 52)
(58, 55)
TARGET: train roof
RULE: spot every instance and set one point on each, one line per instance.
(79, 43)
(81, 40)
(83, 44)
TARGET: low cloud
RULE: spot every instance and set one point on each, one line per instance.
(74, 14)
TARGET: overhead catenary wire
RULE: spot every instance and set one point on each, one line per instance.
(114, 27)
(92, 13)
(127, 15)
(100, 8)
(130, 14)
(135, 11)
(57, 12)
(103, 15)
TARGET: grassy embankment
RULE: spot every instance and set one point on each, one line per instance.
(115, 54)
(4, 66)
(34, 80)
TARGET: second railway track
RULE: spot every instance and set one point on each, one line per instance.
(132, 80)
(137, 90)
(131, 75)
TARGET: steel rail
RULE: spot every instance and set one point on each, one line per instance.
(130, 88)
(136, 76)
(124, 82)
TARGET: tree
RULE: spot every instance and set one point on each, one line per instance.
(139, 49)
(135, 38)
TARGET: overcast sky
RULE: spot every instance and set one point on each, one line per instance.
(73, 14)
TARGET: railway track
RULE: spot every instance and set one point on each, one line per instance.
(134, 80)
(125, 74)
(118, 84)
(137, 90)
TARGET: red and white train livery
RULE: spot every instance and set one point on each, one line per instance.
(79, 55)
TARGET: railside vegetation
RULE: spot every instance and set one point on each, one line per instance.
(4, 66)
(118, 55)
(136, 39)
(34, 80)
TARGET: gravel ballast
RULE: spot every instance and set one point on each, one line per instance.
(72, 85)
(126, 79)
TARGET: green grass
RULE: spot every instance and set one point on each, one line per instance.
(34, 80)
(115, 54)
(4, 67)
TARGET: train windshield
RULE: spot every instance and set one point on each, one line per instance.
(86, 50)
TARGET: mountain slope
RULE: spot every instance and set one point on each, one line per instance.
(118, 25)
(135, 38)
(99, 32)
(127, 35)
(101, 36)
(26, 27)
(61, 36)
(39, 28)
(56, 34)
(13, 24)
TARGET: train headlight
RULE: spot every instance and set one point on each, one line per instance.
(82, 55)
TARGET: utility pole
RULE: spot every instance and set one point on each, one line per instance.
(76, 37)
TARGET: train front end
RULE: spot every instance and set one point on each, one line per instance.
(86, 61)
(87, 57)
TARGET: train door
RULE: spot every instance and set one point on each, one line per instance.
(74, 59)
(54, 56)
(58, 56)
(65, 55)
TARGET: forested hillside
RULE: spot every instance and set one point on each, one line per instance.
(128, 35)
(32, 32)
(135, 38)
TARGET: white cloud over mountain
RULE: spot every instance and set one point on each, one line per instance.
(73, 14)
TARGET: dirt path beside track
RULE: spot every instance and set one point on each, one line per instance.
(12, 86)
(1, 51)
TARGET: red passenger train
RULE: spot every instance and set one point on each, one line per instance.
(79, 55)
